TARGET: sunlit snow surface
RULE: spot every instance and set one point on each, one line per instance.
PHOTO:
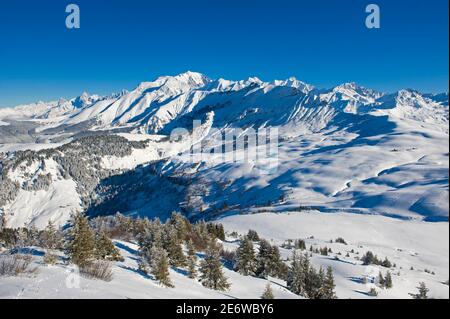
(416, 244)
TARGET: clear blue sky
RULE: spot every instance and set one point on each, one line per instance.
(121, 43)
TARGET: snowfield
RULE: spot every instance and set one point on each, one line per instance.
(421, 245)
(60, 281)
(416, 244)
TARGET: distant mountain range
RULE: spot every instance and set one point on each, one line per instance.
(347, 148)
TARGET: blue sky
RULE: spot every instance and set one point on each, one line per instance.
(121, 43)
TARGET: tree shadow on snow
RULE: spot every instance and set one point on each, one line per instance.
(126, 248)
(137, 271)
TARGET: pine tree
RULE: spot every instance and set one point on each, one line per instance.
(423, 291)
(191, 260)
(386, 263)
(3, 222)
(159, 265)
(49, 239)
(263, 260)
(368, 258)
(388, 281)
(105, 249)
(220, 232)
(277, 267)
(253, 235)
(296, 276)
(173, 248)
(381, 279)
(81, 247)
(245, 258)
(314, 283)
(268, 293)
(211, 274)
(300, 244)
(321, 290)
(180, 223)
(50, 236)
(329, 285)
(308, 276)
(32, 236)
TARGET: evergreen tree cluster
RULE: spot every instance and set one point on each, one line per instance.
(14, 238)
(253, 235)
(324, 251)
(84, 246)
(385, 282)
(163, 245)
(370, 259)
(298, 244)
(303, 279)
(341, 240)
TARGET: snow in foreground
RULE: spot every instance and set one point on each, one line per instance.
(412, 245)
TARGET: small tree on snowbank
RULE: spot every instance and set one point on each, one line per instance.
(245, 258)
(268, 293)
(211, 273)
(422, 292)
(81, 246)
(160, 266)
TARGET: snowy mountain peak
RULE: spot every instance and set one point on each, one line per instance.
(295, 83)
(352, 89)
(176, 84)
(84, 100)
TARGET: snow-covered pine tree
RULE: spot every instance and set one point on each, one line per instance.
(49, 239)
(300, 244)
(253, 235)
(81, 245)
(201, 236)
(220, 232)
(173, 247)
(2, 221)
(277, 267)
(245, 258)
(388, 284)
(216, 230)
(386, 263)
(296, 276)
(181, 225)
(313, 289)
(159, 265)
(49, 236)
(191, 260)
(329, 285)
(211, 273)
(268, 293)
(105, 249)
(423, 291)
(381, 279)
(263, 260)
(152, 236)
(32, 236)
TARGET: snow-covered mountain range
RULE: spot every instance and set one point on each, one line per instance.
(347, 148)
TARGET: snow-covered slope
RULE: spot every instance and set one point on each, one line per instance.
(409, 245)
(345, 148)
(51, 184)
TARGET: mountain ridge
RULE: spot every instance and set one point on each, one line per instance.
(347, 148)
